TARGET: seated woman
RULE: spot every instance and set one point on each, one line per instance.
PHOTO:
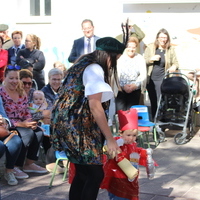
(131, 69)
(26, 78)
(11, 151)
(55, 76)
(15, 103)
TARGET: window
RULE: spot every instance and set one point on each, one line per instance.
(40, 7)
(47, 7)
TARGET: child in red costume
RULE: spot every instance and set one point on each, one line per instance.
(115, 181)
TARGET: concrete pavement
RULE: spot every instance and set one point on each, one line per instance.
(176, 178)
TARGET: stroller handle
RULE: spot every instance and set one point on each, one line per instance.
(170, 74)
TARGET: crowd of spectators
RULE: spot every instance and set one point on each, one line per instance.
(22, 75)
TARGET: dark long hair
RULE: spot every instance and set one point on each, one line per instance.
(102, 58)
(168, 43)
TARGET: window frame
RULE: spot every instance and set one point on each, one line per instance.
(25, 16)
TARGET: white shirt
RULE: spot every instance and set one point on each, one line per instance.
(132, 70)
(93, 80)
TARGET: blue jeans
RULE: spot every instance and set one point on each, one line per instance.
(113, 197)
(12, 149)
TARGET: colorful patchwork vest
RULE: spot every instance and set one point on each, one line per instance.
(73, 128)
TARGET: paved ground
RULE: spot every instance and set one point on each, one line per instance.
(177, 177)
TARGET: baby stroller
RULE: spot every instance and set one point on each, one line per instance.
(175, 107)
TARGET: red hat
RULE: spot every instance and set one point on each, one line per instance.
(128, 119)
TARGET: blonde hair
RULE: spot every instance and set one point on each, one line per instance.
(38, 92)
(20, 88)
(36, 40)
(60, 64)
(134, 40)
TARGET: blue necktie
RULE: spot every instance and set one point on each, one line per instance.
(89, 46)
(16, 51)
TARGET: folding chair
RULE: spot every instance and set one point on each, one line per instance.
(144, 125)
(60, 156)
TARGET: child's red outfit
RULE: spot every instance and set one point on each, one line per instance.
(115, 181)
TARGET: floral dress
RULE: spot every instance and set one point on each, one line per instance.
(16, 111)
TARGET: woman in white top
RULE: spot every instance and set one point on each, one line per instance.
(79, 118)
(132, 73)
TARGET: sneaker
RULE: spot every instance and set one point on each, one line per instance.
(19, 174)
(10, 177)
(34, 168)
(59, 170)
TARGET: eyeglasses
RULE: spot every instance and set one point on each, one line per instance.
(16, 38)
(27, 83)
(16, 67)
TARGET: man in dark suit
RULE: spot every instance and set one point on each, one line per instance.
(12, 51)
(86, 44)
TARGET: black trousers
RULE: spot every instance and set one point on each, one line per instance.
(31, 140)
(125, 100)
(154, 92)
(86, 183)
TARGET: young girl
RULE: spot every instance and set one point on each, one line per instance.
(119, 186)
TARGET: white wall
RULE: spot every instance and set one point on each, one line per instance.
(58, 31)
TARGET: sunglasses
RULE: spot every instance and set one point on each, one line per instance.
(16, 67)
(27, 83)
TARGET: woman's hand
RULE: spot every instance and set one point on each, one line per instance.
(130, 88)
(155, 58)
(28, 123)
(100, 118)
(112, 147)
(172, 69)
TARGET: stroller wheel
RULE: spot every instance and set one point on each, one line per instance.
(179, 139)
